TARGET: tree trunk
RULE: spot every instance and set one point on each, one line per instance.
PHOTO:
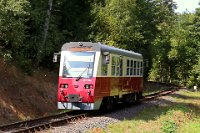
(41, 48)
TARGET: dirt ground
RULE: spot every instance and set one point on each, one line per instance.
(25, 97)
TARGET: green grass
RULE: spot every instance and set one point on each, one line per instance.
(181, 116)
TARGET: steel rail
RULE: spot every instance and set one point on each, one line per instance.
(159, 94)
(42, 122)
(47, 125)
(26, 123)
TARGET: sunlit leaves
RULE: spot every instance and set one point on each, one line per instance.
(118, 25)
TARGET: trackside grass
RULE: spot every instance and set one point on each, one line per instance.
(178, 113)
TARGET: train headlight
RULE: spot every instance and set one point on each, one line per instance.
(88, 86)
(64, 86)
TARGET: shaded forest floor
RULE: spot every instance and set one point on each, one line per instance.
(25, 97)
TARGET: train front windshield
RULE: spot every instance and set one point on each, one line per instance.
(78, 64)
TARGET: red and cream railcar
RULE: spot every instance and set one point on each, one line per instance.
(93, 75)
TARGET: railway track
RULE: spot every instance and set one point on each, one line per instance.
(63, 118)
(159, 94)
(43, 123)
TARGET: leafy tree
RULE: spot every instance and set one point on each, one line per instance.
(177, 51)
(154, 17)
(194, 36)
(13, 18)
(131, 24)
(117, 24)
(53, 23)
(183, 50)
(30, 31)
(160, 46)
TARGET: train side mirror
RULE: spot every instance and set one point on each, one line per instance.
(55, 57)
(107, 60)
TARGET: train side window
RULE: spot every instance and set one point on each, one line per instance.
(104, 66)
(134, 69)
(117, 66)
(141, 68)
(121, 66)
(113, 65)
(128, 67)
(131, 68)
(138, 68)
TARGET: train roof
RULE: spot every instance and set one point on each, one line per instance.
(100, 47)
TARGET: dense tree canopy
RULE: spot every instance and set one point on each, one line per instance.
(30, 31)
(13, 18)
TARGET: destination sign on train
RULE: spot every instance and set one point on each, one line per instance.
(82, 48)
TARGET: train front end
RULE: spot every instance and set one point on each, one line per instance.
(77, 76)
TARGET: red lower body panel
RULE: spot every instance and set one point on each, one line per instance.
(77, 94)
(109, 86)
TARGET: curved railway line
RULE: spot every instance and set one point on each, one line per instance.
(64, 118)
(159, 94)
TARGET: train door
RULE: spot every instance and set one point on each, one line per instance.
(105, 83)
(126, 87)
(121, 78)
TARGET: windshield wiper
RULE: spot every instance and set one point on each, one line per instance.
(80, 76)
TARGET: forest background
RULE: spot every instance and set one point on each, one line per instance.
(31, 31)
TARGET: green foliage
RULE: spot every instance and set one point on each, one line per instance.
(176, 51)
(183, 50)
(161, 66)
(118, 25)
(169, 127)
(30, 31)
(25, 64)
(13, 16)
(196, 74)
(68, 21)
(7, 56)
(195, 40)
(132, 24)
